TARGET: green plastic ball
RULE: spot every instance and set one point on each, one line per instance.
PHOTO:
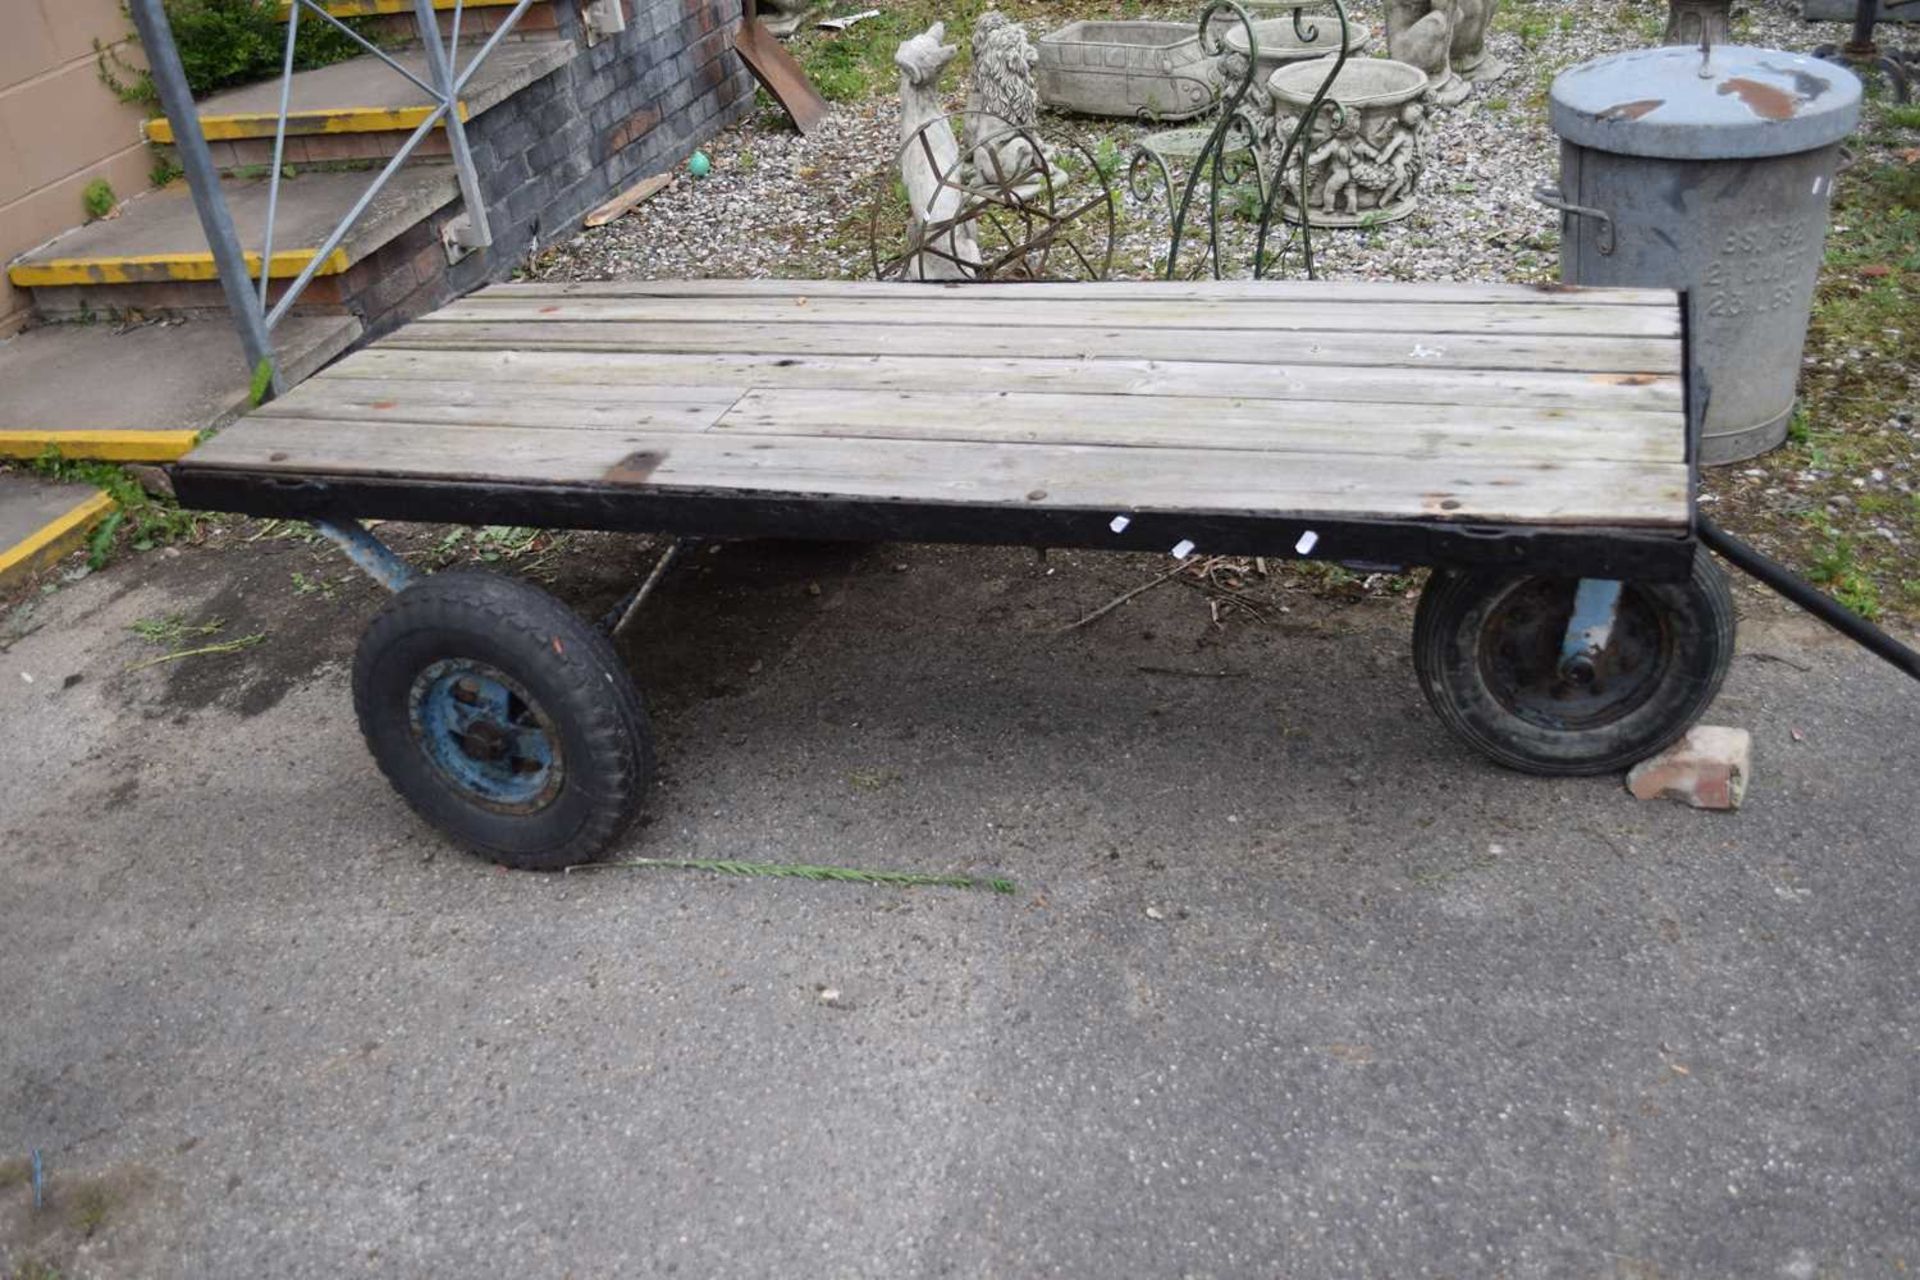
(698, 165)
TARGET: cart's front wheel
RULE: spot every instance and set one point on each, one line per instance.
(503, 719)
(1489, 650)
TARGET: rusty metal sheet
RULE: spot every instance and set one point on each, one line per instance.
(776, 69)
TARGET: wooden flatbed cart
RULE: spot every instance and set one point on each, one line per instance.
(1533, 445)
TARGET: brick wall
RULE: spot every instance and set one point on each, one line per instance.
(632, 105)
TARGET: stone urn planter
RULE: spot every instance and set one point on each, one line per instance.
(1363, 165)
(1280, 45)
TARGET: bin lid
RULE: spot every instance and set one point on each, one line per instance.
(1731, 102)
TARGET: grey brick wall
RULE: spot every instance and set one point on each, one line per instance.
(632, 105)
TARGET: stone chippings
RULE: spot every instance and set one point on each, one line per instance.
(631, 105)
(778, 204)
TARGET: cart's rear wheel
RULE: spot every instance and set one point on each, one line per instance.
(1487, 647)
(503, 719)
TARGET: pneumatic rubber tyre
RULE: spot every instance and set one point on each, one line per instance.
(503, 719)
(1486, 646)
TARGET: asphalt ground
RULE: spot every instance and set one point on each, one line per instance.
(1292, 984)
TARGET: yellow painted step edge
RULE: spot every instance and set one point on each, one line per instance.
(232, 128)
(55, 538)
(153, 268)
(374, 8)
(100, 445)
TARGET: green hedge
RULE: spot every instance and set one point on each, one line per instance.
(229, 42)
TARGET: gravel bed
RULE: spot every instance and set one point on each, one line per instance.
(777, 204)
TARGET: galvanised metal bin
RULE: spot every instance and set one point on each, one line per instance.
(1708, 169)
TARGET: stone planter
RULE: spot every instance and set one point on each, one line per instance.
(1280, 45)
(1148, 70)
(1363, 167)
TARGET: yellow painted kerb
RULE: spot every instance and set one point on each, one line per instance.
(159, 268)
(232, 128)
(55, 538)
(373, 8)
(99, 445)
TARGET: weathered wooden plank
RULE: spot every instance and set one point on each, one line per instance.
(1124, 479)
(1357, 350)
(629, 200)
(1282, 381)
(1438, 319)
(491, 404)
(1018, 419)
(1213, 290)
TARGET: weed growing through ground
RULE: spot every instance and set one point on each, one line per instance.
(89, 1211)
(174, 629)
(142, 521)
(98, 198)
(497, 542)
(313, 586)
(1835, 565)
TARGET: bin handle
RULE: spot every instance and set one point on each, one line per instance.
(1549, 194)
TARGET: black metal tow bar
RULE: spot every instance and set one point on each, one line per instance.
(1808, 597)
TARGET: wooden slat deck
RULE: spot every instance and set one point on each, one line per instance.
(1477, 404)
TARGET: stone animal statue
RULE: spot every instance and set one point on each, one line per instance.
(1000, 92)
(1471, 20)
(930, 163)
(1420, 33)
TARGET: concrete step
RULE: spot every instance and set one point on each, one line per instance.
(142, 394)
(43, 520)
(136, 395)
(361, 109)
(391, 22)
(378, 8)
(153, 256)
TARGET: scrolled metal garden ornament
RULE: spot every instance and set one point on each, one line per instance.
(1245, 138)
(1013, 204)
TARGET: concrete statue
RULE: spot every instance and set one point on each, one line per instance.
(930, 163)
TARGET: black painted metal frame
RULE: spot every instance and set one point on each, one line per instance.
(1651, 554)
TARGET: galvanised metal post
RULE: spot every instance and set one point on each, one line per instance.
(441, 109)
(476, 234)
(176, 99)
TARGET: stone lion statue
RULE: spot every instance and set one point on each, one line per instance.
(1001, 85)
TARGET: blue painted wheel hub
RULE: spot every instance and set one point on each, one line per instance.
(486, 736)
